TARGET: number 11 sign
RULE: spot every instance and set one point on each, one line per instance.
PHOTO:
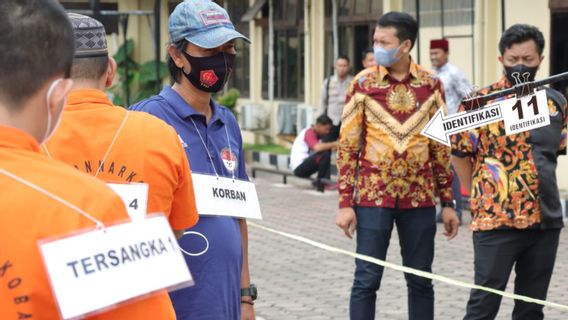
(525, 113)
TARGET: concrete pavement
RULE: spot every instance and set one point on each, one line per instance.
(298, 281)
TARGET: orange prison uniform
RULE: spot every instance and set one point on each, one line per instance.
(27, 216)
(146, 150)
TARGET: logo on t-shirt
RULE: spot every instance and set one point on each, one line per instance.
(229, 159)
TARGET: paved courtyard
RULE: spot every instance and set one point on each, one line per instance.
(298, 281)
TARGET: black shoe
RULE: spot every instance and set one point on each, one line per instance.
(320, 186)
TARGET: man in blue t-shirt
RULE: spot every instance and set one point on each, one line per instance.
(200, 60)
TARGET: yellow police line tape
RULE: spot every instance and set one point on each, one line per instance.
(416, 272)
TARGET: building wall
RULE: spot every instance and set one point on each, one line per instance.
(141, 29)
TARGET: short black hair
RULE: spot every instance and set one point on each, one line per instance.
(519, 33)
(36, 44)
(344, 57)
(91, 68)
(405, 25)
(366, 52)
(175, 72)
(324, 119)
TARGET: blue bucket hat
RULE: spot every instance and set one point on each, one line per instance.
(203, 23)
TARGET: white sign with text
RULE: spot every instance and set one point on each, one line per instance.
(519, 114)
(134, 196)
(525, 113)
(101, 268)
(219, 196)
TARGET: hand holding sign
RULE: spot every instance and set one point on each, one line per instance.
(520, 115)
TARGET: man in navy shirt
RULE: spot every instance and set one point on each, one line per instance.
(200, 60)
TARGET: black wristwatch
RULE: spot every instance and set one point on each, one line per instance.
(250, 292)
(449, 204)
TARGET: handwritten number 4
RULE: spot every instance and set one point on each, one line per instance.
(518, 106)
(134, 204)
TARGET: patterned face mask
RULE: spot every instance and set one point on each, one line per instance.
(210, 74)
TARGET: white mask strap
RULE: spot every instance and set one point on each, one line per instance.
(49, 116)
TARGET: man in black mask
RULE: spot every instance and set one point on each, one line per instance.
(517, 215)
(200, 60)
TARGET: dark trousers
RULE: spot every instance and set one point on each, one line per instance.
(416, 230)
(317, 162)
(533, 253)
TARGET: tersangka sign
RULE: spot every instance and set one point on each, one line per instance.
(99, 269)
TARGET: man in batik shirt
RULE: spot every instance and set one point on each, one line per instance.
(388, 172)
(517, 215)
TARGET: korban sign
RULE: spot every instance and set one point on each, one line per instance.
(96, 270)
(221, 196)
(520, 114)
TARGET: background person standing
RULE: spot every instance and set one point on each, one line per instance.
(456, 86)
(368, 58)
(333, 93)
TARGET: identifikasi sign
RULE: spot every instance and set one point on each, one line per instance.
(518, 114)
(113, 265)
(526, 113)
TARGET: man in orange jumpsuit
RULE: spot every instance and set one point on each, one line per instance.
(116, 145)
(40, 198)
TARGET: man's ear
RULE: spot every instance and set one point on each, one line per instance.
(59, 94)
(110, 72)
(406, 46)
(178, 58)
(500, 58)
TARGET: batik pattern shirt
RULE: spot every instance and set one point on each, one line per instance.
(514, 177)
(383, 159)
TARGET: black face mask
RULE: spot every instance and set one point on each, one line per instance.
(520, 73)
(209, 74)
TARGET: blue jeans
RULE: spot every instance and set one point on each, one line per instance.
(416, 230)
